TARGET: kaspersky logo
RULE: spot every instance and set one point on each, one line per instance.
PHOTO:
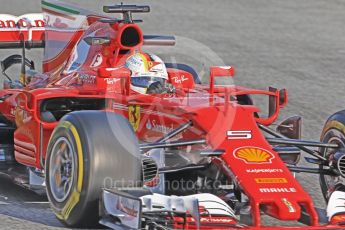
(253, 155)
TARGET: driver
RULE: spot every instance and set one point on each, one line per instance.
(149, 74)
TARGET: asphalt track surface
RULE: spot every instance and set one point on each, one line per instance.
(299, 45)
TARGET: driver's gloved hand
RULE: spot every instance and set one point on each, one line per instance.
(170, 88)
(155, 88)
(158, 88)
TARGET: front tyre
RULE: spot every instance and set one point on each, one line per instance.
(87, 151)
(333, 132)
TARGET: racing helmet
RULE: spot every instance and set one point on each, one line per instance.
(148, 72)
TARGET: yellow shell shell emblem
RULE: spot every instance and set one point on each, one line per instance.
(253, 155)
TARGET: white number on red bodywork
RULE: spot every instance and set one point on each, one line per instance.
(239, 134)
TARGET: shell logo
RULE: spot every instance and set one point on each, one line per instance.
(253, 155)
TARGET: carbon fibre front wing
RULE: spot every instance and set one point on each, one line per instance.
(141, 209)
(136, 209)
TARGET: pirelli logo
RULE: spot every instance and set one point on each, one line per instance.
(271, 180)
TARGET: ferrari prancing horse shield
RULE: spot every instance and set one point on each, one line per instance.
(134, 116)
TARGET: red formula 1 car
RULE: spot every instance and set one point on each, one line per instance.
(194, 157)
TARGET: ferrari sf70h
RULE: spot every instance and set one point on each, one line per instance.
(184, 154)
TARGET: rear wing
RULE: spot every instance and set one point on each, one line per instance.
(58, 29)
(28, 28)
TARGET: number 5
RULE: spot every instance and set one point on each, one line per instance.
(236, 135)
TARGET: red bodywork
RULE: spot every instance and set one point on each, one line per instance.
(250, 161)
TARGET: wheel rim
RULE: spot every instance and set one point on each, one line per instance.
(62, 169)
(330, 183)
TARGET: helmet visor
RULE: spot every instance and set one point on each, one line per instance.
(146, 81)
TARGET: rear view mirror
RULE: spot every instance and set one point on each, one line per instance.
(273, 103)
(283, 98)
(218, 72)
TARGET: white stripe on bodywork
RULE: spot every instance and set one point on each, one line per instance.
(336, 204)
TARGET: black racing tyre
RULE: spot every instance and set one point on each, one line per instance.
(333, 132)
(87, 151)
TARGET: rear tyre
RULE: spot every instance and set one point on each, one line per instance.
(333, 132)
(87, 151)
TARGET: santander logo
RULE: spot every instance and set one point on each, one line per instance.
(24, 21)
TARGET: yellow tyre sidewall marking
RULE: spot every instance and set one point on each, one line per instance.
(75, 196)
(334, 124)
